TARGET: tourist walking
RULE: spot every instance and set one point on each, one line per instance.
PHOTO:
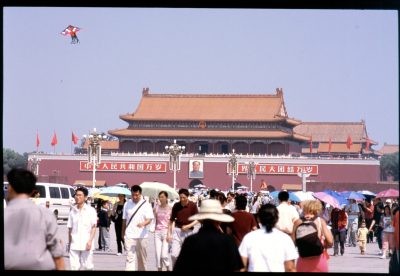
(339, 224)
(137, 215)
(319, 262)
(388, 232)
(353, 211)
(116, 217)
(162, 214)
(209, 249)
(180, 227)
(244, 221)
(104, 226)
(31, 234)
(268, 249)
(82, 222)
(362, 235)
(287, 213)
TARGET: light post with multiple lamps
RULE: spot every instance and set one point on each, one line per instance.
(35, 164)
(174, 151)
(251, 173)
(94, 151)
(233, 167)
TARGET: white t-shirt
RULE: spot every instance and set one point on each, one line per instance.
(145, 212)
(267, 252)
(287, 216)
(81, 221)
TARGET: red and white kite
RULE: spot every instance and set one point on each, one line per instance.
(72, 30)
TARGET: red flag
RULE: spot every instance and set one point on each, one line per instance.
(54, 139)
(74, 138)
(330, 145)
(311, 144)
(349, 142)
(37, 140)
(368, 144)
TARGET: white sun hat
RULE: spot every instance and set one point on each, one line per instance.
(211, 209)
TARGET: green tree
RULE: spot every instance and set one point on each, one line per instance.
(390, 165)
(12, 159)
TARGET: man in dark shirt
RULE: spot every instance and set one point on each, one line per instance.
(378, 212)
(179, 225)
(209, 249)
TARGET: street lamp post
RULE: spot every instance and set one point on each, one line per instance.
(251, 173)
(174, 151)
(94, 151)
(233, 167)
(35, 164)
(304, 176)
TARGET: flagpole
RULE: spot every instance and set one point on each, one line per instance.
(37, 139)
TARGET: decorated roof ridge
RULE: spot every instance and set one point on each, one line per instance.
(289, 118)
(146, 93)
(333, 123)
(203, 133)
(275, 119)
(387, 144)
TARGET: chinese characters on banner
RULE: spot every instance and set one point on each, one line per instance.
(156, 167)
(280, 169)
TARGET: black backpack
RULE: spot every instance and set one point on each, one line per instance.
(307, 240)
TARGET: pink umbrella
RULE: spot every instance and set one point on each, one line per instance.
(388, 193)
(327, 199)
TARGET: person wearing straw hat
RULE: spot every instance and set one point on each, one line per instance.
(209, 249)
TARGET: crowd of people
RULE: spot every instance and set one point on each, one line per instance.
(226, 231)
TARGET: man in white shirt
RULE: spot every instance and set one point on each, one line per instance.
(136, 217)
(82, 222)
(287, 214)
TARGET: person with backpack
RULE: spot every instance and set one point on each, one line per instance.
(312, 236)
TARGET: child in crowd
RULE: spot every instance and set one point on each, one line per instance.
(362, 233)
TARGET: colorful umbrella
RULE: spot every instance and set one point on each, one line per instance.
(152, 189)
(356, 196)
(367, 193)
(327, 199)
(102, 197)
(340, 198)
(388, 193)
(274, 194)
(115, 191)
(93, 191)
(304, 195)
(294, 197)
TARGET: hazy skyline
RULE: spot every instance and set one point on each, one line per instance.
(333, 65)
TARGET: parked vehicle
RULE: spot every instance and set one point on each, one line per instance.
(57, 197)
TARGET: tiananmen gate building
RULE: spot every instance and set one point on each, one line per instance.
(337, 155)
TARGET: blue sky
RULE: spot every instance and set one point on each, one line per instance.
(333, 65)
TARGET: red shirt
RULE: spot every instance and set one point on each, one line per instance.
(180, 214)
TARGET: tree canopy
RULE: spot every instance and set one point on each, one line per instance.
(390, 165)
(12, 159)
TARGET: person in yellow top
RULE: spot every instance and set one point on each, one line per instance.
(362, 233)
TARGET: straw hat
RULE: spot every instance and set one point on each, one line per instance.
(211, 209)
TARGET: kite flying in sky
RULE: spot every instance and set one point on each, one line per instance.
(71, 30)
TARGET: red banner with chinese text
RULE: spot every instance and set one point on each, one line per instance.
(153, 167)
(280, 169)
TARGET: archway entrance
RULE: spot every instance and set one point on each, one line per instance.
(195, 182)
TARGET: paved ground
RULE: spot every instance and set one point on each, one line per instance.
(352, 261)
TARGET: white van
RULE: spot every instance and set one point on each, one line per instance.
(57, 197)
